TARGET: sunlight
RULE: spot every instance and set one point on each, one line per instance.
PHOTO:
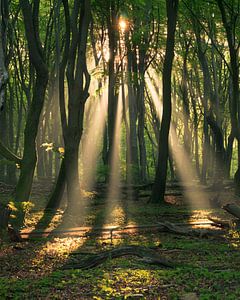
(196, 197)
(154, 93)
(114, 180)
(122, 24)
(187, 174)
(199, 219)
(55, 250)
(91, 141)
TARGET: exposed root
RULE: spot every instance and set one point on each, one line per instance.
(149, 256)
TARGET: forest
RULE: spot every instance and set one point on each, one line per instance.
(120, 149)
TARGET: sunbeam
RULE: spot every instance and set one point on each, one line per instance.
(184, 168)
(114, 177)
(91, 141)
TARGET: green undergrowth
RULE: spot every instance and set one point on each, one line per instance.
(210, 268)
(125, 278)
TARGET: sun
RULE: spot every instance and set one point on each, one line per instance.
(122, 24)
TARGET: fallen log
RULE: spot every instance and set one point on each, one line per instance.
(232, 209)
(148, 256)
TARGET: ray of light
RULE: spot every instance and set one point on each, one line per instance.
(196, 198)
(114, 177)
(91, 144)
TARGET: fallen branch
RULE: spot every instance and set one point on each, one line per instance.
(149, 256)
(8, 154)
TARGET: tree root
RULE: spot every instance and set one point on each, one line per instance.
(201, 233)
(232, 209)
(148, 256)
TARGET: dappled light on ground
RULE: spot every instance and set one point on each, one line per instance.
(55, 251)
(42, 264)
(41, 218)
(199, 260)
(199, 218)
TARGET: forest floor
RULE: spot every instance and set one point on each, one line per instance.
(204, 268)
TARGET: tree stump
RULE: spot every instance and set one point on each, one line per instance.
(5, 212)
(6, 231)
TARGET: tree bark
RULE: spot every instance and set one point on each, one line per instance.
(28, 163)
(134, 161)
(149, 255)
(233, 209)
(78, 80)
(161, 172)
(230, 24)
(112, 89)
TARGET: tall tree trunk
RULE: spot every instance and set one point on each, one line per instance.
(78, 84)
(230, 24)
(186, 109)
(161, 172)
(112, 89)
(3, 70)
(3, 137)
(11, 169)
(24, 185)
(132, 102)
(40, 154)
(141, 122)
(195, 129)
(209, 118)
(3, 82)
(55, 197)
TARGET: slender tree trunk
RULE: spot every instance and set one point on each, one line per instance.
(141, 123)
(3, 83)
(230, 24)
(28, 163)
(3, 137)
(134, 161)
(3, 70)
(205, 149)
(161, 172)
(112, 90)
(78, 84)
(24, 185)
(40, 155)
(11, 169)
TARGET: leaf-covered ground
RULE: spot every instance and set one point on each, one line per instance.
(209, 268)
